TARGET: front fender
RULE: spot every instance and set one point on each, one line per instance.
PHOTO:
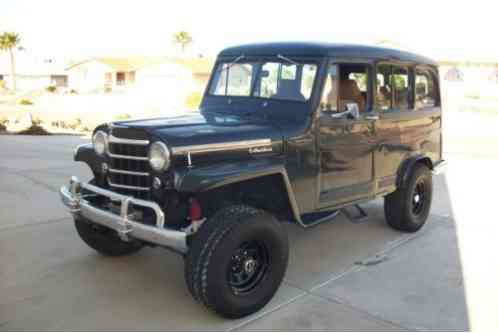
(85, 153)
(200, 179)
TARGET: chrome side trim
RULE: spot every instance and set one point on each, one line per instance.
(222, 146)
(129, 157)
(128, 187)
(113, 139)
(126, 172)
(123, 222)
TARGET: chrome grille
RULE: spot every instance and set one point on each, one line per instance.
(129, 167)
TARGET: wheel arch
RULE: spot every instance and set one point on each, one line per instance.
(407, 166)
(267, 177)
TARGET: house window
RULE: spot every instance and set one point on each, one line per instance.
(59, 80)
(108, 78)
(120, 78)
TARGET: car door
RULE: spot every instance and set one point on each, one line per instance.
(344, 142)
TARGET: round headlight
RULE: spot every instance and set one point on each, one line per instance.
(159, 158)
(100, 142)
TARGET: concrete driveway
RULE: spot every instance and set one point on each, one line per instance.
(342, 276)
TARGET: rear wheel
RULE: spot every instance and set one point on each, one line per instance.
(237, 261)
(407, 209)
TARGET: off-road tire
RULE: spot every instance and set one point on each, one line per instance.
(400, 206)
(210, 257)
(104, 240)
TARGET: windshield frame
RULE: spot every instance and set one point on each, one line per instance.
(260, 62)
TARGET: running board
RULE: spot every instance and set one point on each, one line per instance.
(358, 216)
(311, 219)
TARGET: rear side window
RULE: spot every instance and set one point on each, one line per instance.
(393, 88)
(384, 87)
(425, 89)
(401, 85)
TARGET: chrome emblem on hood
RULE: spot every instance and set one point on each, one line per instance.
(259, 150)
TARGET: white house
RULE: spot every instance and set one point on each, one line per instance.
(33, 73)
(113, 73)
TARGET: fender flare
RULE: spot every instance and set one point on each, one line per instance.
(407, 166)
(203, 179)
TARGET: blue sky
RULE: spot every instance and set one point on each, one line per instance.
(441, 29)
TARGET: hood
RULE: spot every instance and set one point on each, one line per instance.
(202, 133)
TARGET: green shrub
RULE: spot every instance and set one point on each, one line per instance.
(73, 92)
(74, 124)
(193, 100)
(34, 130)
(25, 101)
(36, 121)
(3, 128)
(51, 89)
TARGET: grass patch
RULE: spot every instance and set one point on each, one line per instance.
(193, 101)
(123, 116)
(25, 101)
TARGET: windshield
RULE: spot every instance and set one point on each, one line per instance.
(270, 79)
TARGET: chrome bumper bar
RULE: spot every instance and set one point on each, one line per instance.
(439, 167)
(123, 223)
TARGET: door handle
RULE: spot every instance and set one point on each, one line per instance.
(372, 117)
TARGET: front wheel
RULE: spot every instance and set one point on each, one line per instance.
(407, 209)
(237, 261)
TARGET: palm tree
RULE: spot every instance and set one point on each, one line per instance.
(182, 38)
(8, 42)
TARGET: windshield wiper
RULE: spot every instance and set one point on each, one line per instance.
(287, 59)
(236, 60)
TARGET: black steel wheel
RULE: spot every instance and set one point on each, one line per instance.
(419, 197)
(237, 261)
(407, 209)
(248, 267)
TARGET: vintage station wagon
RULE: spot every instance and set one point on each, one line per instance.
(286, 133)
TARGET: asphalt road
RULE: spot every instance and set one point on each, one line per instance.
(341, 276)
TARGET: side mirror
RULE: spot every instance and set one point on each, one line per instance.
(352, 111)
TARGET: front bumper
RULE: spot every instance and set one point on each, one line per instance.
(123, 224)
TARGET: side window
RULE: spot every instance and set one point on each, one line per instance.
(425, 89)
(401, 88)
(384, 87)
(353, 85)
(328, 102)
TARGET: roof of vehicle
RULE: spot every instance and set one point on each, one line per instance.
(317, 49)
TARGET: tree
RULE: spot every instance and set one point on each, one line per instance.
(183, 39)
(8, 42)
